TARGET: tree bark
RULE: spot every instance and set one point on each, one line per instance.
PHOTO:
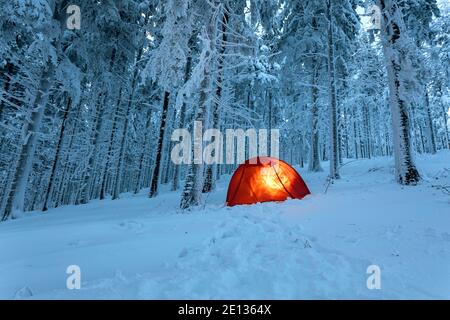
(209, 183)
(16, 199)
(104, 176)
(176, 172)
(139, 181)
(314, 162)
(395, 52)
(123, 138)
(154, 184)
(89, 174)
(192, 191)
(431, 137)
(334, 145)
(50, 187)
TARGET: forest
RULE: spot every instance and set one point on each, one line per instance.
(91, 91)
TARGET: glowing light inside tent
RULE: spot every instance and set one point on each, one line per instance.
(270, 178)
(273, 177)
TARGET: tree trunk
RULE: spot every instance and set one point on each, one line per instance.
(64, 181)
(154, 184)
(176, 169)
(9, 72)
(139, 181)
(104, 177)
(50, 187)
(431, 137)
(123, 138)
(395, 52)
(89, 174)
(446, 133)
(209, 183)
(334, 145)
(314, 162)
(16, 199)
(192, 191)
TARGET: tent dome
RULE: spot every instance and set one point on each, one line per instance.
(263, 179)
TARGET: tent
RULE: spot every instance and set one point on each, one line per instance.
(265, 179)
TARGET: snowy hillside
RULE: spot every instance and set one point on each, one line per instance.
(319, 247)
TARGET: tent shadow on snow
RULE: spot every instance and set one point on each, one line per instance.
(264, 179)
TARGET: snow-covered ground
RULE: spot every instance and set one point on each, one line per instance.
(318, 247)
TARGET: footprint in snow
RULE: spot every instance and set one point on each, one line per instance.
(131, 226)
(445, 236)
(430, 232)
(76, 243)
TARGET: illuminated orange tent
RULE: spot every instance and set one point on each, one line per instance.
(265, 179)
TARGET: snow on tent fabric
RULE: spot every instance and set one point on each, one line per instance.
(264, 179)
